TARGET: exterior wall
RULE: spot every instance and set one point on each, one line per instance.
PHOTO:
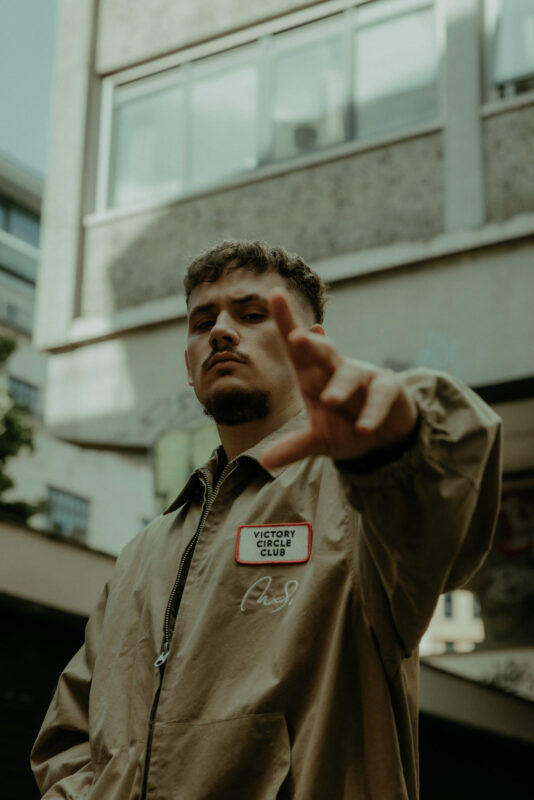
(130, 31)
(467, 314)
(119, 486)
(26, 363)
(369, 199)
(508, 163)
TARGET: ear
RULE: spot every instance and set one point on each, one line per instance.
(188, 368)
(316, 328)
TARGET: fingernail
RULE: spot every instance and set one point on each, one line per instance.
(331, 395)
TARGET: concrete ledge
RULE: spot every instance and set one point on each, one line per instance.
(86, 330)
(466, 702)
(51, 571)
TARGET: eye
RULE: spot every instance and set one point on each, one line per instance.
(204, 325)
(254, 316)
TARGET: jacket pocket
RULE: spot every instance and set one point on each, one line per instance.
(243, 758)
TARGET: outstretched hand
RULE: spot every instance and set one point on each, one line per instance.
(354, 408)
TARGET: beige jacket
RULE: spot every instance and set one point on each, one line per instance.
(294, 677)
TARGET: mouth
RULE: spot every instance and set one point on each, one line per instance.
(223, 358)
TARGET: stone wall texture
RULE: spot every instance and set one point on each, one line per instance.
(131, 31)
(387, 194)
(509, 163)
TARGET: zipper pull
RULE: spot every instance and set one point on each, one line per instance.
(162, 658)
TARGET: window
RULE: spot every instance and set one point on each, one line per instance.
(449, 605)
(24, 394)
(19, 222)
(67, 514)
(224, 116)
(510, 33)
(395, 67)
(309, 106)
(364, 72)
(148, 135)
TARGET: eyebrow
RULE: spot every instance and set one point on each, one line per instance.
(239, 301)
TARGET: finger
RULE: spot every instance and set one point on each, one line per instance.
(308, 349)
(347, 387)
(292, 449)
(282, 312)
(382, 393)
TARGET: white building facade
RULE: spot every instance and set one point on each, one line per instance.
(98, 498)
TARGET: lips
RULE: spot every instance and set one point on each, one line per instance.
(221, 358)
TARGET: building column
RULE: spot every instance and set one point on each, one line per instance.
(464, 166)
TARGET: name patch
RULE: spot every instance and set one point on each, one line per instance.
(274, 543)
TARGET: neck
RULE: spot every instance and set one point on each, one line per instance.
(235, 439)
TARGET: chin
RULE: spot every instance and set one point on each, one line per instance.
(235, 405)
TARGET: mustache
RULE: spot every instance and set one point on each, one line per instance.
(236, 354)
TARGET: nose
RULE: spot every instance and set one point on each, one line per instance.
(223, 332)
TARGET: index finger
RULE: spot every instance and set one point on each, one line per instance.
(282, 312)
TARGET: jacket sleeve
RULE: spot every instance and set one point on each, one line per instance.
(427, 517)
(61, 756)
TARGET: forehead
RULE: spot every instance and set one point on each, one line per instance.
(235, 284)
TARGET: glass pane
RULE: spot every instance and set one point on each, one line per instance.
(395, 71)
(309, 98)
(24, 394)
(513, 58)
(148, 144)
(3, 216)
(224, 121)
(24, 225)
(67, 513)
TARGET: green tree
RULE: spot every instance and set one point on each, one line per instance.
(15, 433)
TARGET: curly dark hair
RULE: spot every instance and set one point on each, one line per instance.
(258, 257)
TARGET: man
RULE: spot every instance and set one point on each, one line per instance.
(259, 640)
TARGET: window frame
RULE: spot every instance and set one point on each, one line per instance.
(14, 384)
(83, 535)
(260, 36)
(129, 90)
(491, 97)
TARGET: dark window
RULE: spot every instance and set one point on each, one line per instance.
(68, 513)
(24, 394)
(19, 222)
(449, 605)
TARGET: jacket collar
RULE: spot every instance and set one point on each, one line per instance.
(294, 425)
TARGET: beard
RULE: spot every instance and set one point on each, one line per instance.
(236, 406)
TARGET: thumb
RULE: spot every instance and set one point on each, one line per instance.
(290, 450)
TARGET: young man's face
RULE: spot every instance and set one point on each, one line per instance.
(236, 359)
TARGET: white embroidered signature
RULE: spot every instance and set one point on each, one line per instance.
(278, 601)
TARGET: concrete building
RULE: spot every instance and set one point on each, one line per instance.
(389, 142)
(403, 175)
(99, 498)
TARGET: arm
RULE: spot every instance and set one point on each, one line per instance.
(419, 455)
(61, 755)
(428, 516)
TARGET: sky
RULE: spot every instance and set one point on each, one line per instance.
(27, 43)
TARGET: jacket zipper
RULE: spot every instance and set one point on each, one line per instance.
(179, 585)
